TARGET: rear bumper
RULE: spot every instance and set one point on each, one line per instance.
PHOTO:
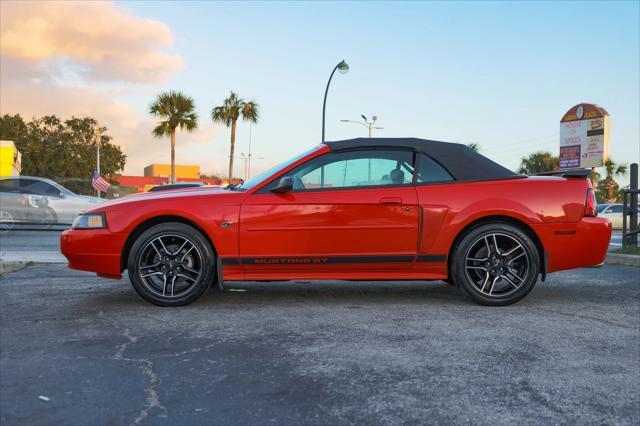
(96, 250)
(575, 245)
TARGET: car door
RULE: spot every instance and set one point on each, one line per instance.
(614, 214)
(50, 204)
(14, 205)
(354, 210)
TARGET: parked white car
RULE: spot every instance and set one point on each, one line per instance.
(36, 200)
(613, 212)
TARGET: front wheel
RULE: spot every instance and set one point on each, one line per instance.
(496, 264)
(171, 264)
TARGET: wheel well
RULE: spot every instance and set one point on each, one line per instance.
(152, 222)
(505, 219)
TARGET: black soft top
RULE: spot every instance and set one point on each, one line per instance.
(463, 163)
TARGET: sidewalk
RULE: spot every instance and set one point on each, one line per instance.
(32, 256)
(17, 260)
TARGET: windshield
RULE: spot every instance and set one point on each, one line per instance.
(264, 175)
(602, 207)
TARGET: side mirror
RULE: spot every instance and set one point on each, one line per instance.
(285, 185)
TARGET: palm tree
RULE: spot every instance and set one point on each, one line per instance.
(176, 109)
(229, 112)
(539, 162)
(609, 184)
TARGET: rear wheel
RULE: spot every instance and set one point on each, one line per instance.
(6, 221)
(496, 264)
(171, 264)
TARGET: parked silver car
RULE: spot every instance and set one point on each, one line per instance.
(36, 200)
(613, 212)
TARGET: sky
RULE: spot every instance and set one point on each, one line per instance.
(498, 74)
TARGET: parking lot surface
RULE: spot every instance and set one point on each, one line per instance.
(309, 353)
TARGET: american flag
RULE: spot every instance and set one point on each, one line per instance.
(98, 183)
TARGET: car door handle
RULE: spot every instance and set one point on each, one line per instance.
(391, 200)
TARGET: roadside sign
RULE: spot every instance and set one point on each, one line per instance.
(584, 136)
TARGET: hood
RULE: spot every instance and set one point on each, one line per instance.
(177, 194)
(89, 199)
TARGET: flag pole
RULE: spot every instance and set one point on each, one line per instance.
(98, 152)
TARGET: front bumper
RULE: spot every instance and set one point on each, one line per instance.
(93, 250)
(575, 245)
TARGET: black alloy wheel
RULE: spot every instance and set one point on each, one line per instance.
(171, 264)
(496, 264)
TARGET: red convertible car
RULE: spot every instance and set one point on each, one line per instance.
(360, 209)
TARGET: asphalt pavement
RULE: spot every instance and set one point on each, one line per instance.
(308, 353)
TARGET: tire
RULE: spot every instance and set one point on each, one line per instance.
(49, 218)
(6, 221)
(171, 264)
(496, 277)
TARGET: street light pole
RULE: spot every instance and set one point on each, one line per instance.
(343, 67)
(370, 125)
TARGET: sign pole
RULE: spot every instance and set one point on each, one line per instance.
(98, 152)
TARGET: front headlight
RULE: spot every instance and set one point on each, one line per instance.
(90, 221)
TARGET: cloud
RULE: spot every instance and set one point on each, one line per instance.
(40, 41)
(103, 40)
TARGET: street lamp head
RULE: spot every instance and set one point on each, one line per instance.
(343, 67)
(363, 117)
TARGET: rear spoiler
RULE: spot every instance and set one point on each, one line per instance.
(575, 173)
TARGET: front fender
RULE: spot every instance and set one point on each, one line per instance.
(203, 215)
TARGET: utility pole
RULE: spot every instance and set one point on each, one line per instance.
(249, 160)
(98, 152)
(370, 125)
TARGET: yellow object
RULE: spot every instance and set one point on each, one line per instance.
(164, 170)
(9, 159)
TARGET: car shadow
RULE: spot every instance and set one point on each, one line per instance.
(295, 292)
(434, 293)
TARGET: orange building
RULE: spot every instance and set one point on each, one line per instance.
(164, 170)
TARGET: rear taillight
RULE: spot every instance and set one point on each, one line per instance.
(590, 205)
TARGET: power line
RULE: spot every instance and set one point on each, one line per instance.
(516, 150)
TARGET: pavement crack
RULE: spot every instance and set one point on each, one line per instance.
(153, 398)
(121, 348)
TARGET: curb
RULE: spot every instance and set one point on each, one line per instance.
(8, 266)
(623, 259)
(34, 257)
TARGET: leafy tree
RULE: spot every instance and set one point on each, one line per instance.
(12, 127)
(229, 112)
(474, 146)
(602, 197)
(64, 151)
(539, 162)
(610, 187)
(177, 110)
